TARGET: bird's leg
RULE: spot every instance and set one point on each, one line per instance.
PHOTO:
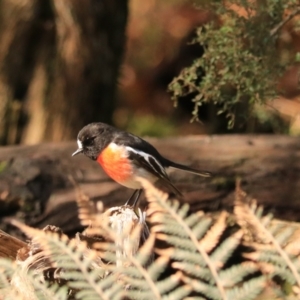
(131, 197)
(136, 200)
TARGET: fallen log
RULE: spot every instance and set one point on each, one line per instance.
(36, 181)
(9, 245)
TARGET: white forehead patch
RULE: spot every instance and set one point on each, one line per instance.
(79, 144)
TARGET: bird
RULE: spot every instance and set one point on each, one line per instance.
(125, 157)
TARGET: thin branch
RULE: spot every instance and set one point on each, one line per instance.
(284, 21)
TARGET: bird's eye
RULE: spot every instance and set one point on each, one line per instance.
(89, 140)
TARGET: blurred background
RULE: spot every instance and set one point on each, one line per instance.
(64, 64)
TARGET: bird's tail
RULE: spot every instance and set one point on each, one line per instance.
(174, 165)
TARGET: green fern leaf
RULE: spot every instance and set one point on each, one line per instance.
(211, 292)
(156, 269)
(235, 274)
(220, 255)
(183, 255)
(201, 228)
(178, 293)
(193, 219)
(249, 291)
(283, 273)
(194, 270)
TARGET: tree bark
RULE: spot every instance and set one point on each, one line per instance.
(59, 63)
(36, 181)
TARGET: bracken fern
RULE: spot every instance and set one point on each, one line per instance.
(244, 255)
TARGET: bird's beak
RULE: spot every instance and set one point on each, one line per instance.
(79, 150)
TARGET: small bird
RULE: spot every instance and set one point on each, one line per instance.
(125, 157)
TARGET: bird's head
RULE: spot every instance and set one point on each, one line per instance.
(92, 139)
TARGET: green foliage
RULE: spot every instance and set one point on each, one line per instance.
(150, 126)
(3, 165)
(240, 64)
(197, 256)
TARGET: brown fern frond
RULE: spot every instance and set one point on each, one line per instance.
(247, 217)
(243, 211)
(212, 237)
(87, 210)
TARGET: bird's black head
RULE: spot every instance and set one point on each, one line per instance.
(93, 138)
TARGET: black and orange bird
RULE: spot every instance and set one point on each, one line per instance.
(125, 157)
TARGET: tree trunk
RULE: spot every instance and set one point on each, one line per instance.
(59, 64)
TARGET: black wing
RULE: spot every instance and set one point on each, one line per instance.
(152, 165)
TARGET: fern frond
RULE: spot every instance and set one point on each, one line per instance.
(274, 270)
(158, 203)
(272, 258)
(160, 265)
(178, 293)
(193, 219)
(226, 248)
(183, 255)
(176, 241)
(250, 290)
(71, 257)
(212, 237)
(170, 284)
(7, 269)
(168, 287)
(201, 228)
(195, 255)
(25, 284)
(253, 216)
(42, 289)
(87, 210)
(284, 235)
(206, 289)
(195, 298)
(236, 274)
(151, 283)
(193, 270)
(145, 253)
